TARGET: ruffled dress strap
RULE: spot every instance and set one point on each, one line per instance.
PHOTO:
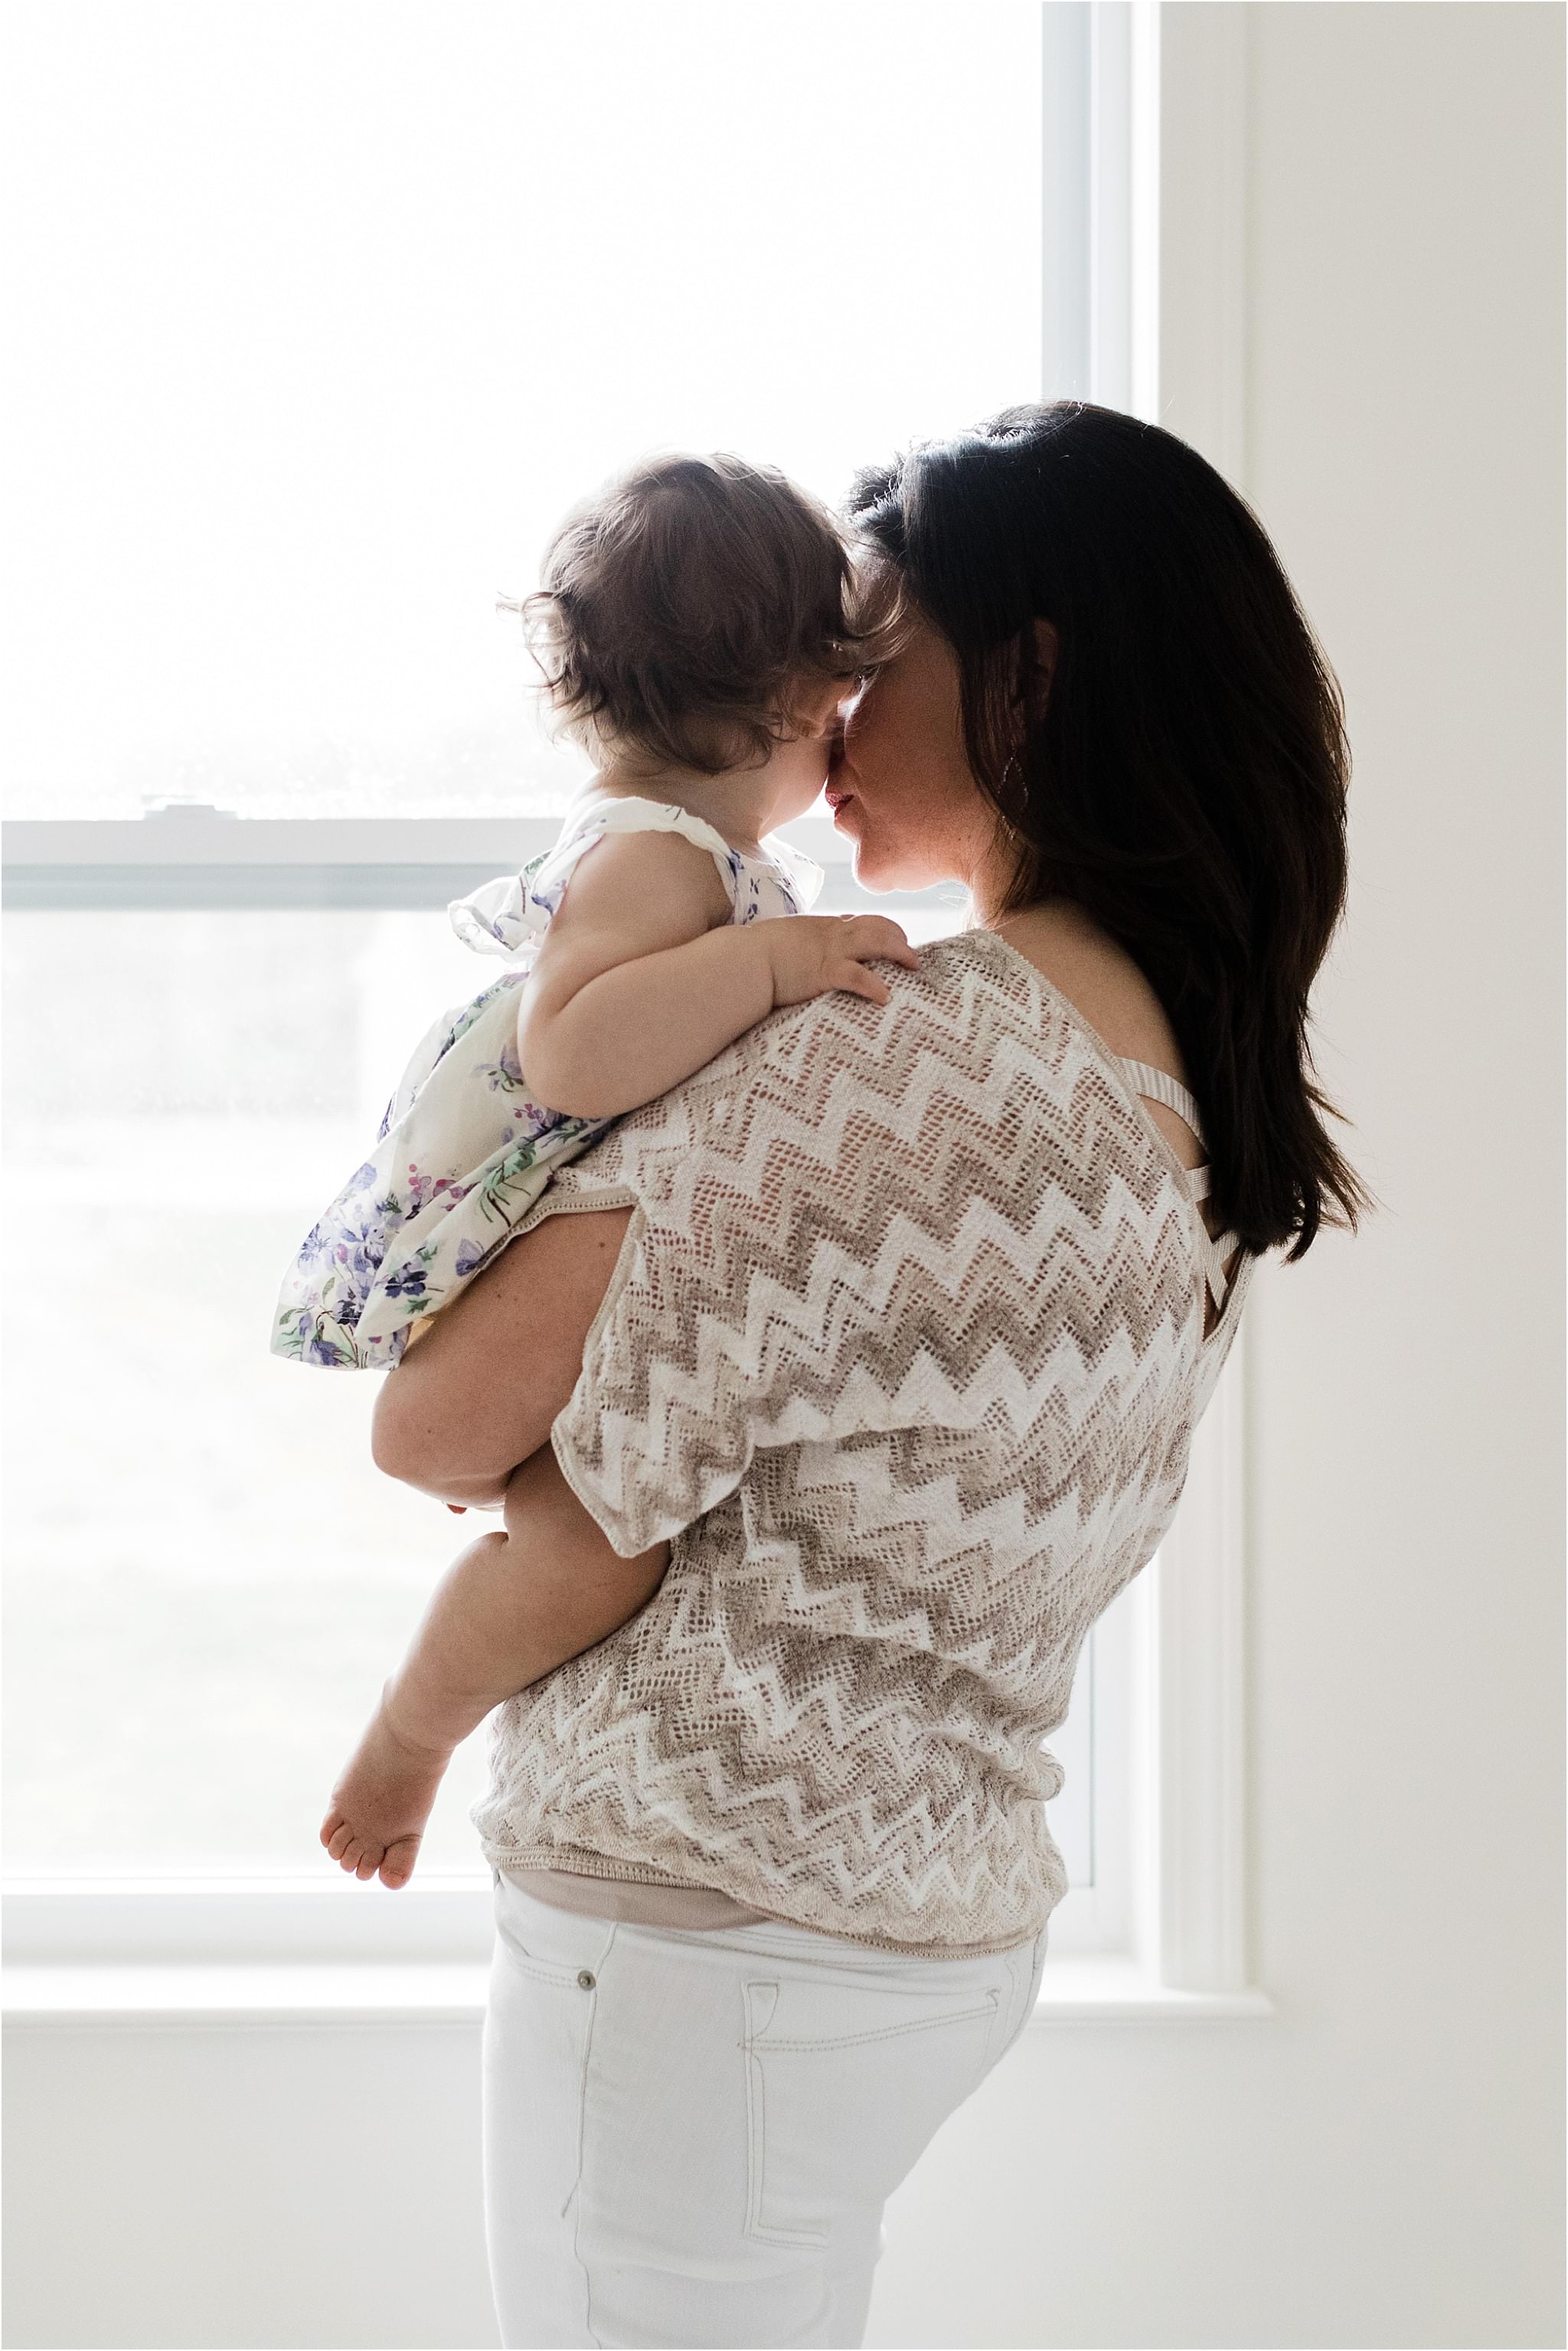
(802, 874)
(503, 916)
(463, 1152)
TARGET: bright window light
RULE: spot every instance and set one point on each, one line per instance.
(329, 312)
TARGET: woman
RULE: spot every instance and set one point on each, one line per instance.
(893, 1325)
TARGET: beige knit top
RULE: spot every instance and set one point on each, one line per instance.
(902, 1355)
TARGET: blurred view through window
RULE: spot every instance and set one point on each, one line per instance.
(327, 313)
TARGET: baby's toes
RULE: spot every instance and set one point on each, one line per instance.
(337, 1835)
(397, 1863)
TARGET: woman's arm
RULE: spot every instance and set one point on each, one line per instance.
(479, 1392)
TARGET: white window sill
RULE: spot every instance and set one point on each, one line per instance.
(291, 1992)
(1075, 1991)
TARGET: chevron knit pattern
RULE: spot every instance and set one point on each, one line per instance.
(903, 1356)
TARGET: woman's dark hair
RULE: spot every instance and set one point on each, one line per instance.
(1183, 776)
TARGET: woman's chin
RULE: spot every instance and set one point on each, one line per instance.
(864, 860)
(880, 872)
(876, 864)
(865, 867)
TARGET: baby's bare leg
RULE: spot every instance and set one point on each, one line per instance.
(509, 1609)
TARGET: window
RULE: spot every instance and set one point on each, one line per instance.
(332, 322)
(327, 328)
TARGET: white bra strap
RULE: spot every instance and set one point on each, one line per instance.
(1214, 1254)
(1161, 1087)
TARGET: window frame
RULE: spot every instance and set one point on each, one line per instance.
(1161, 1933)
(1164, 1914)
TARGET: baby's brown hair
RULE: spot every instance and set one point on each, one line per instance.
(688, 604)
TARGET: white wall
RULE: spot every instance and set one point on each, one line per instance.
(1381, 2164)
(202, 2186)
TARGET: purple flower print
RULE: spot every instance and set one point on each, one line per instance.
(359, 1249)
(539, 1121)
(505, 1074)
(353, 1255)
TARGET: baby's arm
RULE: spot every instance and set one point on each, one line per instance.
(641, 976)
(509, 1609)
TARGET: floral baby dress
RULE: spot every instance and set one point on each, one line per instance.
(463, 1154)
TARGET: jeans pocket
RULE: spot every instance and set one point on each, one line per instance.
(1031, 1966)
(845, 2086)
(550, 1945)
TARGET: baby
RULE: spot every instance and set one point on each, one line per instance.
(698, 630)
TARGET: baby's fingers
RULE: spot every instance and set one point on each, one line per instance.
(858, 981)
(874, 935)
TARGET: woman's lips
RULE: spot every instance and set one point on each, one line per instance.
(836, 797)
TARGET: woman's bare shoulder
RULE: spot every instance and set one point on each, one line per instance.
(1099, 979)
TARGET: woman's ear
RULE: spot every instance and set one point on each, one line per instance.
(1035, 673)
(1047, 644)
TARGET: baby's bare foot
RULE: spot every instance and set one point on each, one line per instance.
(382, 1803)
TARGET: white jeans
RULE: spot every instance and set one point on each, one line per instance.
(689, 2136)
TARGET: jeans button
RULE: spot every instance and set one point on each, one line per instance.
(585, 1978)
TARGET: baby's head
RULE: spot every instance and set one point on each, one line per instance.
(697, 613)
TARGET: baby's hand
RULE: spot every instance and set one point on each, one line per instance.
(814, 953)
